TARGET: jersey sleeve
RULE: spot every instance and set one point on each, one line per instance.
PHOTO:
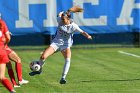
(77, 28)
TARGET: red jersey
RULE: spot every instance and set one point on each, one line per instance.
(3, 55)
(3, 31)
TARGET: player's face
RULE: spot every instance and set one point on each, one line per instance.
(64, 19)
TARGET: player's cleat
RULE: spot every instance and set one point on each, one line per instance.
(63, 81)
(35, 72)
(13, 91)
(23, 82)
(16, 86)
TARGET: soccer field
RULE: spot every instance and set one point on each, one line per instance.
(101, 70)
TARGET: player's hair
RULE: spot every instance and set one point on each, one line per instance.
(66, 13)
(75, 9)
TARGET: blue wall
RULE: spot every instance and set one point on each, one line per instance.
(39, 10)
(36, 19)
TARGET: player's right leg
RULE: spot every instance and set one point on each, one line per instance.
(49, 51)
(6, 83)
(14, 57)
(3, 60)
(46, 53)
(11, 74)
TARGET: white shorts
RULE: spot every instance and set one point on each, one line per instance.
(58, 47)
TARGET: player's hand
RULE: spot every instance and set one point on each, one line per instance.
(89, 37)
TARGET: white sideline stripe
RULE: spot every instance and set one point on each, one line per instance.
(129, 54)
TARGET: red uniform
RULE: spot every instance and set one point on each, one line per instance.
(3, 55)
(8, 50)
(5, 28)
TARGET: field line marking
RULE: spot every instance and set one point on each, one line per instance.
(129, 54)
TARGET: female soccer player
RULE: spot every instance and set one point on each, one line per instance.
(63, 41)
(4, 59)
(14, 57)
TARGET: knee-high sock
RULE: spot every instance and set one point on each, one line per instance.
(66, 67)
(6, 83)
(12, 77)
(19, 71)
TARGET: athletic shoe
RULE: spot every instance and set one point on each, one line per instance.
(63, 81)
(16, 86)
(13, 91)
(35, 72)
(23, 82)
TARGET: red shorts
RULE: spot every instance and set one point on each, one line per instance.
(3, 57)
(8, 50)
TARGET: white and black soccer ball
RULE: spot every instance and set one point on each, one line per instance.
(35, 66)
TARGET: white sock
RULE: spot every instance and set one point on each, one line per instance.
(66, 67)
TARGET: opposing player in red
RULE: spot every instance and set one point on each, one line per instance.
(14, 57)
(4, 58)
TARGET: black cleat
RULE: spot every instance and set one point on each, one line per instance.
(62, 81)
(35, 72)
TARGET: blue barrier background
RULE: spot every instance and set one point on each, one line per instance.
(38, 12)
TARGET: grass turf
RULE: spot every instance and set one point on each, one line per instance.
(102, 70)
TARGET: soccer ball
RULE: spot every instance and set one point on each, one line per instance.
(35, 66)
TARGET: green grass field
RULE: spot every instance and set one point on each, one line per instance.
(101, 70)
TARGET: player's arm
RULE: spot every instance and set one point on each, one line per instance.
(7, 37)
(82, 32)
(7, 34)
(86, 35)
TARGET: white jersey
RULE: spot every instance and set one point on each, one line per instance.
(64, 33)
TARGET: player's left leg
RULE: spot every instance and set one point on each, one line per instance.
(14, 57)
(6, 83)
(11, 74)
(67, 55)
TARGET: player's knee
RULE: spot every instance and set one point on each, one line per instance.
(18, 60)
(67, 60)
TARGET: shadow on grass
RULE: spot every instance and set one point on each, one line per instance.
(117, 80)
